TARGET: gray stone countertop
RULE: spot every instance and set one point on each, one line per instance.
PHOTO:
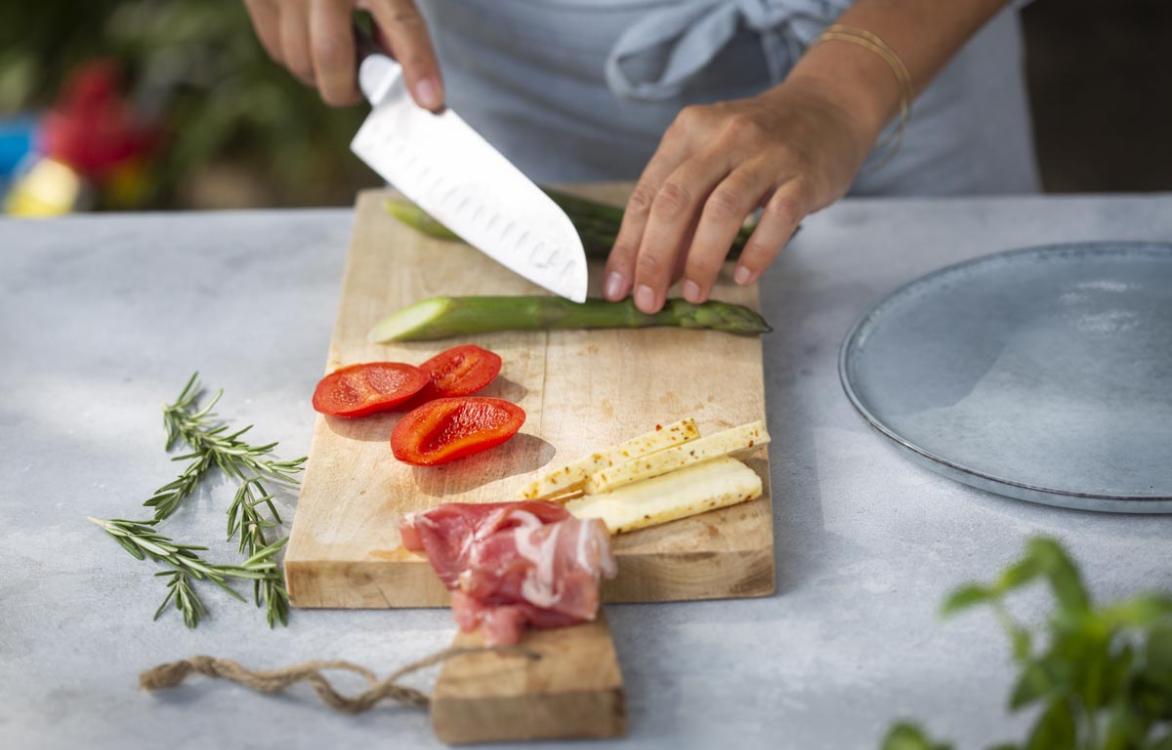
(102, 318)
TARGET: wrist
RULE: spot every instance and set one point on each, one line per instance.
(854, 80)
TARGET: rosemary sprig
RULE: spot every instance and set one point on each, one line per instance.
(244, 517)
(143, 541)
(183, 409)
(179, 590)
(237, 458)
(167, 498)
(212, 443)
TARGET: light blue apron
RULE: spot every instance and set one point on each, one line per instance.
(577, 90)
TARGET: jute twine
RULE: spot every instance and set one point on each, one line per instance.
(173, 673)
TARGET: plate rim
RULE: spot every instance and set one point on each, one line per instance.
(1101, 246)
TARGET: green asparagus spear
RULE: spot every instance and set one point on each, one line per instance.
(574, 205)
(597, 223)
(447, 317)
(414, 216)
(605, 219)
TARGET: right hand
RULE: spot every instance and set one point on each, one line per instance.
(314, 39)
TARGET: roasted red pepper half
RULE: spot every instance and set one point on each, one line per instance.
(460, 371)
(447, 429)
(358, 390)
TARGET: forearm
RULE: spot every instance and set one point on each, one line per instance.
(924, 34)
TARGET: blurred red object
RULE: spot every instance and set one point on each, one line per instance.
(92, 127)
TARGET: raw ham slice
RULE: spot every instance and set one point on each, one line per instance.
(503, 624)
(513, 565)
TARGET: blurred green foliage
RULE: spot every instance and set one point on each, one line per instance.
(1097, 677)
(196, 65)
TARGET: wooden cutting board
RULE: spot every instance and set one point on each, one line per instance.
(581, 390)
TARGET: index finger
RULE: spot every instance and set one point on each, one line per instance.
(620, 264)
(406, 32)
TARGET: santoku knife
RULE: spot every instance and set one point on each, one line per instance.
(450, 171)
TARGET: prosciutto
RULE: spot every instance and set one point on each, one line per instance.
(511, 566)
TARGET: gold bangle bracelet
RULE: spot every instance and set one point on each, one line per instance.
(872, 42)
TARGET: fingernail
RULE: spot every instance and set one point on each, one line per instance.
(427, 92)
(645, 298)
(742, 275)
(613, 289)
(692, 292)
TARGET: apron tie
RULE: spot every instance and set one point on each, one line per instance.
(690, 34)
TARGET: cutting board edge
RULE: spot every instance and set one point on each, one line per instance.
(601, 714)
(362, 584)
(657, 577)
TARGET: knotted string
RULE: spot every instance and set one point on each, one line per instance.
(172, 674)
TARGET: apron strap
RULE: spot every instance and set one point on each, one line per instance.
(688, 35)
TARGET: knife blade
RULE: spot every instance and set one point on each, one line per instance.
(451, 172)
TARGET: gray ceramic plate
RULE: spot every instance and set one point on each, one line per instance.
(1043, 374)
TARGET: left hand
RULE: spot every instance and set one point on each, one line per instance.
(791, 150)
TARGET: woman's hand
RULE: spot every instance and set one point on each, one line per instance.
(314, 39)
(791, 150)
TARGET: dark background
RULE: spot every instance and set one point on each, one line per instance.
(1100, 80)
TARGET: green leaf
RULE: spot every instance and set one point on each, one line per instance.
(1151, 698)
(1032, 685)
(1021, 641)
(1094, 680)
(129, 547)
(1152, 688)
(1055, 728)
(1118, 673)
(964, 597)
(1124, 730)
(166, 600)
(907, 736)
(1019, 574)
(1062, 573)
(1140, 611)
(1158, 655)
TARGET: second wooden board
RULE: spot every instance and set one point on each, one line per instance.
(571, 687)
(581, 390)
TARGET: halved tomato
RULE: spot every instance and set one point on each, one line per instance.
(447, 429)
(362, 389)
(460, 371)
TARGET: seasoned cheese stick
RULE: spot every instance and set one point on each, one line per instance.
(677, 457)
(567, 478)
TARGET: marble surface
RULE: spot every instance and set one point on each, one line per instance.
(102, 319)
